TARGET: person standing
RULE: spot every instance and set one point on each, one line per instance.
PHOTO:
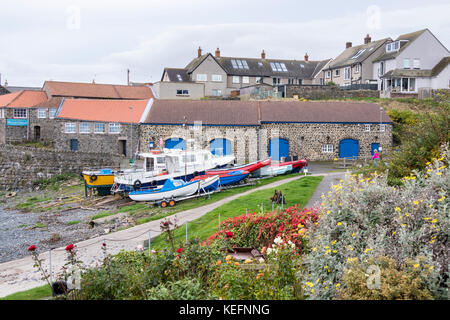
(375, 157)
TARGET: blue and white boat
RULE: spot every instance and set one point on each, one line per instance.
(227, 178)
(170, 190)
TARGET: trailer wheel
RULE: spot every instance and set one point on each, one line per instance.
(163, 204)
(172, 203)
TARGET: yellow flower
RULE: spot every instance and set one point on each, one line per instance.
(314, 249)
(326, 267)
(328, 212)
(353, 234)
(416, 202)
(441, 199)
(393, 233)
(434, 221)
(228, 258)
(333, 242)
(339, 223)
(439, 173)
(334, 251)
(338, 285)
(416, 265)
(397, 209)
(309, 284)
(367, 250)
(431, 268)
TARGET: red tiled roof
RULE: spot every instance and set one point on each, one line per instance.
(23, 99)
(102, 110)
(98, 91)
(227, 112)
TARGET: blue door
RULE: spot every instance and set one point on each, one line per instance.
(375, 146)
(348, 148)
(278, 148)
(220, 146)
(73, 144)
(175, 143)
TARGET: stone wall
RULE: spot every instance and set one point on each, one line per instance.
(251, 143)
(99, 142)
(21, 166)
(317, 92)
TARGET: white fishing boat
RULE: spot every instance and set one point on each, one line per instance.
(160, 165)
(274, 170)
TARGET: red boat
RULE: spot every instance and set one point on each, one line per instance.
(296, 165)
(246, 167)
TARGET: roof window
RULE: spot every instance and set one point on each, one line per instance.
(239, 64)
(278, 67)
(360, 52)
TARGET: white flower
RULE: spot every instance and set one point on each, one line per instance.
(140, 247)
(291, 244)
(269, 250)
(278, 240)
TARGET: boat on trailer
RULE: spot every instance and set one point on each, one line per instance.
(226, 178)
(159, 166)
(297, 165)
(172, 188)
(246, 167)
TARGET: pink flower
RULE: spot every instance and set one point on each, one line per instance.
(69, 247)
(179, 250)
(32, 248)
(229, 234)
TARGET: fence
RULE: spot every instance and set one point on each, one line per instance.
(361, 86)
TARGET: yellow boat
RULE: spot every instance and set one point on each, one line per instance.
(102, 180)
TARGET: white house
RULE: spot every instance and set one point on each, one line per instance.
(412, 64)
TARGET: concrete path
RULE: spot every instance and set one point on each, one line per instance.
(324, 186)
(19, 275)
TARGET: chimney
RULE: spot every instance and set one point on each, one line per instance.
(217, 53)
(348, 45)
(306, 56)
(263, 54)
(199, 52)
(367, 39)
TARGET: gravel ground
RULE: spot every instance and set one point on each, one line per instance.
(17, 232)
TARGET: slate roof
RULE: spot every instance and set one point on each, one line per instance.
(408, 36)
(223, 112)
(17, 88)
(345, 58)
(173, 73)
(104, 110)
(96, 91)
(23, 99)
(440, 66)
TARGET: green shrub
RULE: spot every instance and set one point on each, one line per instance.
(184, 289)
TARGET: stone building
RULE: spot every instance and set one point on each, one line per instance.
(253, 130)
(21, 118)
(100, 125)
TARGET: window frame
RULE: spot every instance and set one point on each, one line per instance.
(347, 73)
(17, 111)
(406, 64)
(39, 110)
(236, 79)
(416, 63)
(216, 78)
(367, 127)
(245, 79)
(219, 92)
(337, 73)
(382, 127)
(327, 148)
(71, 125)
(199, 76)
(50, 111)
(81, 125)
(114, 124)
(95, 127)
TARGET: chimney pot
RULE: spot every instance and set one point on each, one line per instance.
(217, 53)
(263, 55)
(199, 52)
(348, 45)
(367, 39)
(306, 56)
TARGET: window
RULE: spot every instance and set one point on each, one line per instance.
(389, 47)
(327, 148)
(412, 84)
(202, 77)
(322, 81)
(259, 79)
(179, 77)
(405, 63)
(42, 113)
(70, 127)
(188, 158)
(278, 67)
(328, 74)
(382, 127)
(276, 81)
(114, 128)
(216, 92)
(347, 73)
(2, 113)
(99, 127)
(360, 52)
(245, 80)
(216, 77)
(381, 70)
(181, 92)
(367, 127)
(239, 64)
(84, 127)
(20, 113)
(416, 63)
(236, 79)
(337, 72)
(357, 68)
(51, 113)
(393, 46)
(290, 81)
(300, 81)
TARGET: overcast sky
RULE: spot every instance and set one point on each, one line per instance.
(99, 39)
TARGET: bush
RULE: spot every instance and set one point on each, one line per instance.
(184, 289)
(363, 218)
(408, 283)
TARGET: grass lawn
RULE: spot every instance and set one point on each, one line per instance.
(298, 191)
(32, 294)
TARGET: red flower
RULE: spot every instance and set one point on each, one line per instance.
(229, 234)
(32, 248)
(69, 247)
(179, 250)
(104, 244)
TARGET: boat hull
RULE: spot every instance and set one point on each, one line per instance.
(227, 178)
(160, 194)
(210, 184)
(247, 167)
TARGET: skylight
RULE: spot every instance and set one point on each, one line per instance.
(278, 67)
(360, 52)
(179, 77)
(239, 64)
